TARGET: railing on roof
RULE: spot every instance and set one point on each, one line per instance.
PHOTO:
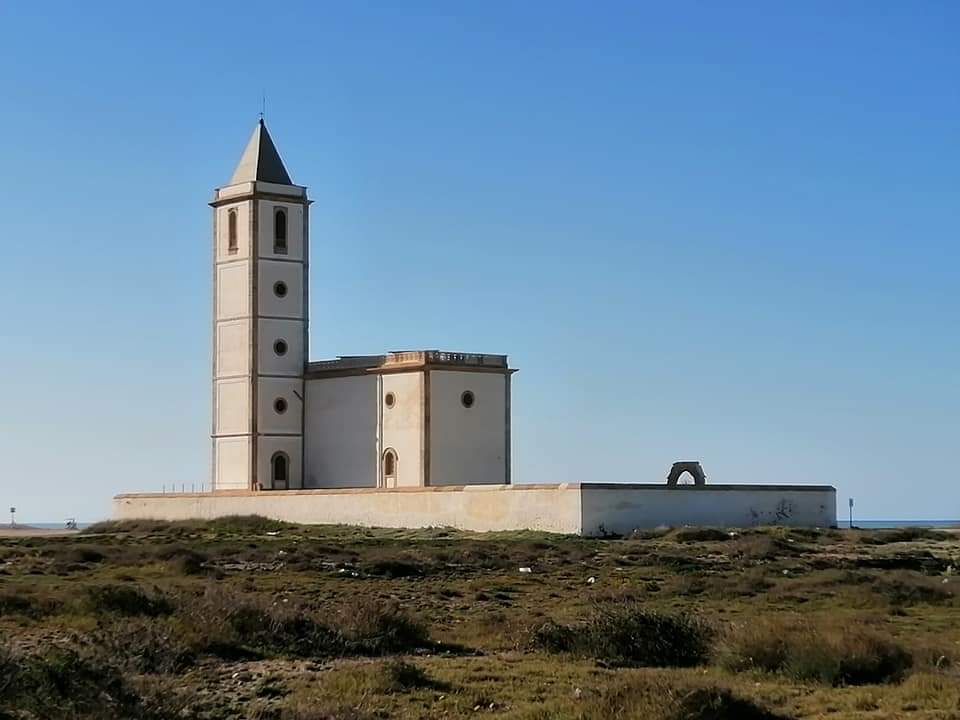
(446, 358)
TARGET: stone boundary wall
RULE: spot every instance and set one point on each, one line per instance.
(570, 508)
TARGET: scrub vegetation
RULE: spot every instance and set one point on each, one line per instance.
(252, 618)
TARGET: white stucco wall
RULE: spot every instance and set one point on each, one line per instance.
(269, 421)
(467, 445)
(267, 446)
(294, 229)
(573, 508)
(231, 406)
(291, 332)
(621, 509)
(341, 432)
(269, 303)
(222, 228)
(485, 508)
(231, 462)
(232, 292)
(232, 348)
(402, 425)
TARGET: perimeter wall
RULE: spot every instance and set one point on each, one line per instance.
(587, 509)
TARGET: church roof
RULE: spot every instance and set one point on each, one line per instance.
(261, 161)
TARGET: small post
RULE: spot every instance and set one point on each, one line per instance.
(13, 513)
(851, 513)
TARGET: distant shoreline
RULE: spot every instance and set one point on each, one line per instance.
(19, 531)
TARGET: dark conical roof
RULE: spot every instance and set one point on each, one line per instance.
(261, 161)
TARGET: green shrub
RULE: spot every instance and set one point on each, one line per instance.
(127, 600)
(896, 535)
(674, 699)
(833, 655)
(16, 602)
(63, 683)
(630, 635)
(700, 534)
(182, 560)
(242, 626)
(145, 646)
(400, 675)
(371, 627)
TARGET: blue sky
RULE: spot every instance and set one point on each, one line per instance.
(726, 232)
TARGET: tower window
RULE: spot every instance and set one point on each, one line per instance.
(390, 400)
(232, 231)
(467, 399)
(280, 347)
(280, 470)
(280, 231)
(280, 405)
(390, 463)
(280, 289)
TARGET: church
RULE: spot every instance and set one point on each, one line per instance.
(412, 438)
(280, 422)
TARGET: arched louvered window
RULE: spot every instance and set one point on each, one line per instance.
(280, 471)
(231, 231)
(280, 231)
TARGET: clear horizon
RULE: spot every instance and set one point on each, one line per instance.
(727, 234)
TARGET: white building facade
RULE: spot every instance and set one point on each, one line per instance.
(280, 422)
(403, 439)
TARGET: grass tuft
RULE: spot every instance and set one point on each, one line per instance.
(630, 635)
(826, 653)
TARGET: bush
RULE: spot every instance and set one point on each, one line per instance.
(630, 635)
(674, 699)
(84, 554)
(400, 675)
(242, 626)
(127, 600)
(700, 534)
(396, 568)
(63, 682)
(14, 602)
(377, 628)
(830, 655)
(907, 534)
(145, 646)
(182, 560)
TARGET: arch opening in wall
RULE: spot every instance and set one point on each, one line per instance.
(280, 471)
(232, 231)
(390, 463)
(280, 231)
(691, 468)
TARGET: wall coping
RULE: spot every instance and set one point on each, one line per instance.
(641, 487)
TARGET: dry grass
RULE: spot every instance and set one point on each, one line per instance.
(255, 619)
(814, 650)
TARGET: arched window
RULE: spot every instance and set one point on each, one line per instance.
(280, 231)
(390, 465)
(280, 471)
(231, 231)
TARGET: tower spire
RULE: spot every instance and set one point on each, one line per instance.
(260, 161)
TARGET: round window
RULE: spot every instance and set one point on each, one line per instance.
(390, 400)
(280, 347)
(467, 399)
(280, 406)
(280, 289)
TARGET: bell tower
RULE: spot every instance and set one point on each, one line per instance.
(260, 242)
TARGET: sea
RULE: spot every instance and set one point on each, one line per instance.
(841, 522)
